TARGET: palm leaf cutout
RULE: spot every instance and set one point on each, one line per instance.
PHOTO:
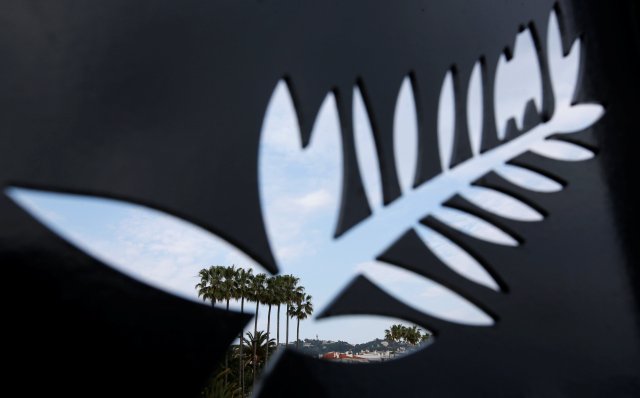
(405, 136)
(500, 204)
(474, 108)
(456, 257)
(561, 150)
(527, 179)
(364, 243)
(149, 245)
(368, 240)
(446, 122)
(512, 96)
(474, 226)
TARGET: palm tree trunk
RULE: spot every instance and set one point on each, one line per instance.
(226, 359)
(278, 329)
(266, 356)
(298, 335)
(255, 343)
(241, 365)
(287, 340)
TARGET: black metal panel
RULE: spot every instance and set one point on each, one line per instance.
(161, 102)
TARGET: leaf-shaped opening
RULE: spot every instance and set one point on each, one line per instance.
(475, 109)
(299, 188)
(424, 294)
(154, 247)
(405, 135)
(577, 118)
(564, 70)
(366, 151)
(446, 121)
(562, 150)
(383, 339)
(456, 257)
(528, 179)
(500, 203)
(517, 82)
(474, 226)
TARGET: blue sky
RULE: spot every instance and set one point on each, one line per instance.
(300, 191)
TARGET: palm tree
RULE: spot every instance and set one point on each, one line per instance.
(291, 294)
(270, 298)
(260, 340)
(229, 291)
(210, 287)
(229, 284)
(256, 293)
(257, 340)
(395, 333)
(412, 335)
(302, 310)
(217, 283)
(279, 293)
(203, 285)
(243, 280)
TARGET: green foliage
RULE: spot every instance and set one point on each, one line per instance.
(260, 342)
(220, 387)
(222, 284)
(302, 308)
(411, 335)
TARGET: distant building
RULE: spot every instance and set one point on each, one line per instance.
(343, 357)
(361, 357)
(376, 356)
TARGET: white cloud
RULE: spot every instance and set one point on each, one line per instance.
(160, 234)
(288, 253)
(314, 200)
(432, 292)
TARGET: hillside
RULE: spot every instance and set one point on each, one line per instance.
(318, 347)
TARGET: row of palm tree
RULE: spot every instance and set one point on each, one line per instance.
(412, 335)
(221, 284)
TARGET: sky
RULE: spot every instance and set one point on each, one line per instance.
(300, 192)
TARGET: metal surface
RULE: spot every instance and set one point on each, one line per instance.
(161, 102)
